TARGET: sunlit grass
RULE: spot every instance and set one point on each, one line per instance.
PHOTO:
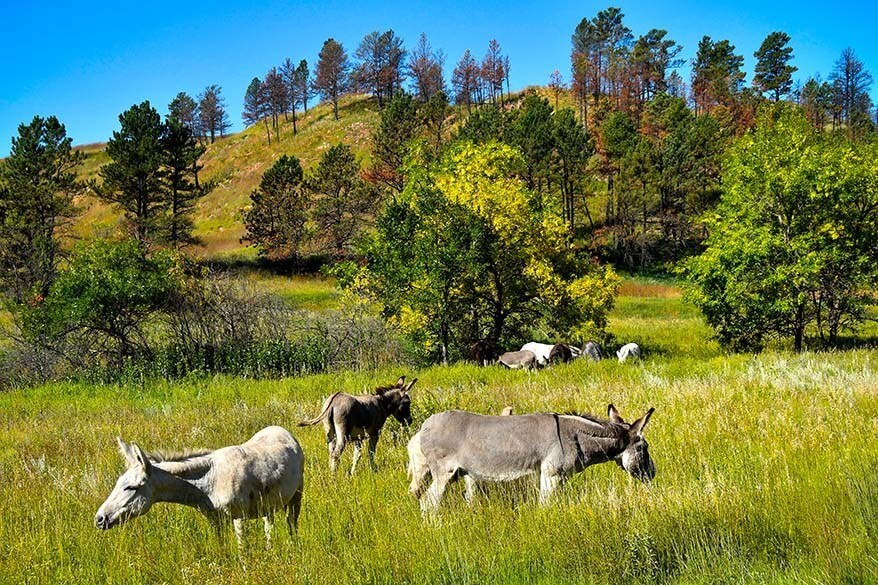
(765, 471)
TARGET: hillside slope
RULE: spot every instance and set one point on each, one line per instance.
(237, 162)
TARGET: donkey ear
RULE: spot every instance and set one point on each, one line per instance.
(127, 452)
(141, 458)
(401, 382)
(614, 415)
(409, 387)
(637, 426)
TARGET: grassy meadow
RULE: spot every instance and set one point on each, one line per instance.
(766, 472)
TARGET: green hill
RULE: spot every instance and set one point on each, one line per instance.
(237, 162)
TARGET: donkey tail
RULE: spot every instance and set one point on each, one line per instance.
(322, 415)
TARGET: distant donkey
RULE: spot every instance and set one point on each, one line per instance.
(591, 350)
(515, 360)
(629, 352)
(354, 418)
(247, 481)
(457, 444)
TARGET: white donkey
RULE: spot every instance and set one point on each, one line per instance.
(247, 481)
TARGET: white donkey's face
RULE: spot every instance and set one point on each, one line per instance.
(133, 493)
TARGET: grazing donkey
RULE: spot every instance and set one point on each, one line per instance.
(247, 481)
(515, 360)
(457, 444)
(353, 418)
(629, 351)
(591, 350)
(560, 353)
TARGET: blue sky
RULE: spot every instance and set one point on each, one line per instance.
(86, 62)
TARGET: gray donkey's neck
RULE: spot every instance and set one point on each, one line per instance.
(193, 492)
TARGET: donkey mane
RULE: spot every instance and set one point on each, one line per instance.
(607, 428)
(177, 456)
(381, 390)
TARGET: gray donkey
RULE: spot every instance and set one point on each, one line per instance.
(250, 480)
(354, 418)
(457, 444)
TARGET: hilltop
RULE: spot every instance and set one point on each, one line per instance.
(237, 162)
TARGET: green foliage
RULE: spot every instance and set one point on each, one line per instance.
(532, 133)
(106, 295)
(341, 199)
(791, 243)
(487, 123)
(399, 125)
(773, 74)
(181, 186)
(38, 182)
(464, 254)
(275, 220)
(133, 180)
(153, 176)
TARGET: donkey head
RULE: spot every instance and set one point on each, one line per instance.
(396, 400)
(133, 494)
(635, 458)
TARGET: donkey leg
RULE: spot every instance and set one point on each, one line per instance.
(294, 507)
(471, 490)
(431, 499)
(358, 450)
(550, 479)
(337, 449)
(373, 444)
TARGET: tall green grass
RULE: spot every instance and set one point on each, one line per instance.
(766, 473)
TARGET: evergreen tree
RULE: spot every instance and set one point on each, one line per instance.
(182, 188)
(341, 199)
(275, 220)
(289, 73)
(255, 106)
(184, 108)
(398, 125)
(465, 80)
(717, 77)
(425, 70)
(38, 183)
(133, 179)
(303, 83)
(212, 112)
(851, 82)
(331, 75)
(774, 74)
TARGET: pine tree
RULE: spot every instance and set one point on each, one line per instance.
(425, 70)
(182, 189)
(38, 182)
(465, 80)
(184, 108)
(773, 73)
(303, 83)
(331, 75)
(133, 179)
(255, 106)
(212, 112)
(275, 220)
(851, 82)
(341, 199)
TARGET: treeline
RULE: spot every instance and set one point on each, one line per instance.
(382, 67)
(478, 225)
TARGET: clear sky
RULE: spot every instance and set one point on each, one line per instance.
(86, 62)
